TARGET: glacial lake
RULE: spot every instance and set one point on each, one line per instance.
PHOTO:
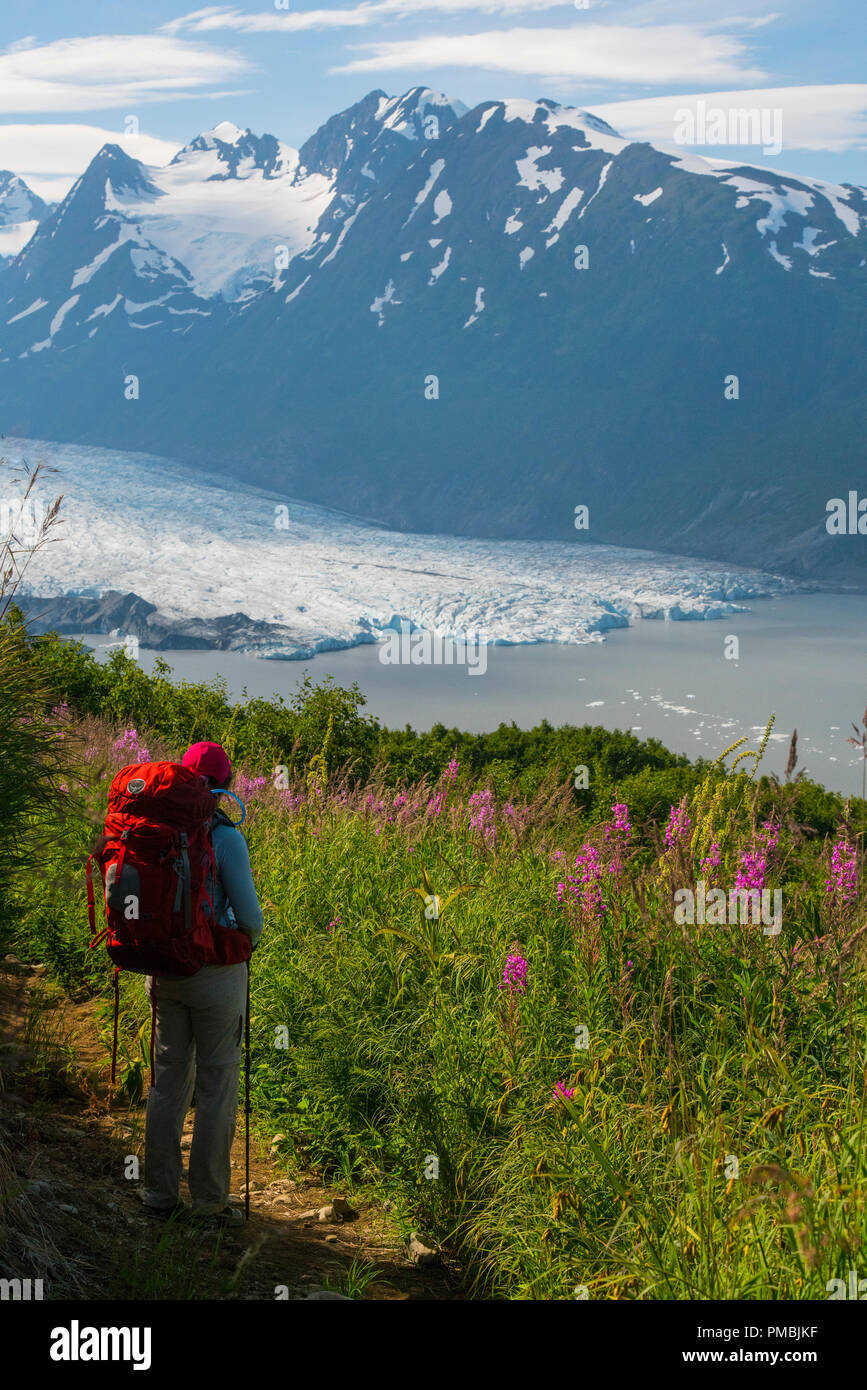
(801, 657)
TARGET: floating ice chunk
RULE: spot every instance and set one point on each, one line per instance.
(526, 255)
(720, 268)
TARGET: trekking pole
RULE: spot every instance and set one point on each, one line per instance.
(247, 1099)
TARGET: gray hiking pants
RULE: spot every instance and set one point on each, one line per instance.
(198, 1044)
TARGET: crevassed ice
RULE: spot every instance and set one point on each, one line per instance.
(513, 591)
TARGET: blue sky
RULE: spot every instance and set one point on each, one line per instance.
(71, 74)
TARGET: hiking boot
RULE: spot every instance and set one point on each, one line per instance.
(166, 1213)
(229, 1216)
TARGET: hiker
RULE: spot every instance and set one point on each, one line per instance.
(199, 1031)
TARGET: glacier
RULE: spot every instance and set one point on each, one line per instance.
(202, 547)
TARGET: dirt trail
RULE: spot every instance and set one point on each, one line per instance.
(70, 1151)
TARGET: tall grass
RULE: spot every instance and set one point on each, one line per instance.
(33, 756)
(643, 1110)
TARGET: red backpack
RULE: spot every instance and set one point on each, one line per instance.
(157, 862)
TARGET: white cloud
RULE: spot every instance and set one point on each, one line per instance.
(217, 17)
(752, 14)
(595, 52)
(50, 157)
(832, 118)
(109, 71)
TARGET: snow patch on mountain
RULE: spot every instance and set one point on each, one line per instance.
(224, 231)
(387, 297)
(31, 309)
(532, 176)
(435, 170)
(403, 114)
(479, 306)
(15, 236)
(597, 133)
(442, 206)
(21, 211)
(780, 201)
(439, 269)
(64, 309)
(605, 171)
(563, 213)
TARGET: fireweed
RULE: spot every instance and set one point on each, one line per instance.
(482, 818)
(841, 885)
(128, 748)
(678, 824)
(438, 1040)
(618, 833)
(581, 892)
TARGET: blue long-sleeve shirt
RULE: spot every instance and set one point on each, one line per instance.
(235, 900)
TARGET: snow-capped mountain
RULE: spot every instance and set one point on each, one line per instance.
(466, 321)
(21, 210)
